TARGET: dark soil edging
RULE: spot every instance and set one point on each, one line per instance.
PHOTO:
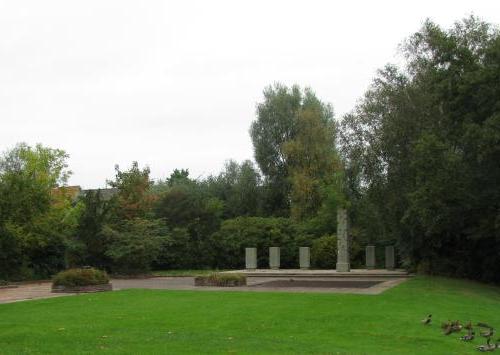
(207, 281)
(82, 289)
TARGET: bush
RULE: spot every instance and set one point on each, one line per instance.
(3, 283)
(81, 277)
(324, 252)
(236, 234)
(221, 279)
(134, 245)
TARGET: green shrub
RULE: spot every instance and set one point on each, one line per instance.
(236, 234)
(324, 252)
(134, 245)
(81, 277)
(3, 283)
(221, 279)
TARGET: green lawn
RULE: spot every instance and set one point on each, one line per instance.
(156, 321)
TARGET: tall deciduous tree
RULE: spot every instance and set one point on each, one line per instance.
(424, 147)
(34, 222)
(281, 117)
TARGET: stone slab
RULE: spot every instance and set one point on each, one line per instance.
(370, 257)
(343, 262)
(304, 258)
(251, 258)
(274, 258)
(389, 258)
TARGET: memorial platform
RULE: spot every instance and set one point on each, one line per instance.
(354, 273)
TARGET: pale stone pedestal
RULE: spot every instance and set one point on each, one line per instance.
(343, 264)
(389, 258)
(304, 258)
(370, 257)
(274, 257)
(251, 258)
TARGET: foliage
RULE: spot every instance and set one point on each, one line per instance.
(134, 245)
(133, 199)
(89, 245)
(423, 150)
(221, 279)
(34, 221)
(193, 216)
(238, 186)
(236, 234)
(275, 125)
(80, 277)
(324, 252)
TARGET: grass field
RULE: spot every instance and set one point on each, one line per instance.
(157, 321)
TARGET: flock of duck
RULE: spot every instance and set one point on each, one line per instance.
(487, 332)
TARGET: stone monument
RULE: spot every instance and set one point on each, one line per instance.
(251, 258)
(274, 257)
(304, 257)
(370, 257)
(389, 258)
(343, 264)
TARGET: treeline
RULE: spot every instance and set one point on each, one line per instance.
(416, 163)
(289, 201)
(422, 152)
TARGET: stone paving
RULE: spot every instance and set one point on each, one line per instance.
(255, 284)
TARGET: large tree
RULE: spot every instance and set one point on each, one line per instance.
(280, 117)
(423, 149)
(34, 220)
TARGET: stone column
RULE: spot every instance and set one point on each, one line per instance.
(370, 257)
(389, 258)
(274, 257)
(304, 257)
(343, 264)
(251, 258)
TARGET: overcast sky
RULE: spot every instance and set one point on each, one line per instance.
(174, 84)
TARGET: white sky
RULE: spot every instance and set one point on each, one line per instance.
(174, 84)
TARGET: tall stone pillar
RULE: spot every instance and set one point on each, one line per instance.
(390, 262)
(343, 264)
(274, 257)
(251, 258)
(304, 257)
(370, 257)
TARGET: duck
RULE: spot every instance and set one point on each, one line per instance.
(469, 336)
(427, 320)
(448, 330)
(487, 334)
(488, 346)
(456, 326)
(445, 325)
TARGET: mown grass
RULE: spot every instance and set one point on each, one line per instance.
(159, 321)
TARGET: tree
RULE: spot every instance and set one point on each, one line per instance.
(313, 160)
(422, 151)
(278, 123)
(238, 186)
(35, 222)
(89, 247)
(133, 199)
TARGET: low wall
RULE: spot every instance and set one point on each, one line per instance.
(81, 289)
